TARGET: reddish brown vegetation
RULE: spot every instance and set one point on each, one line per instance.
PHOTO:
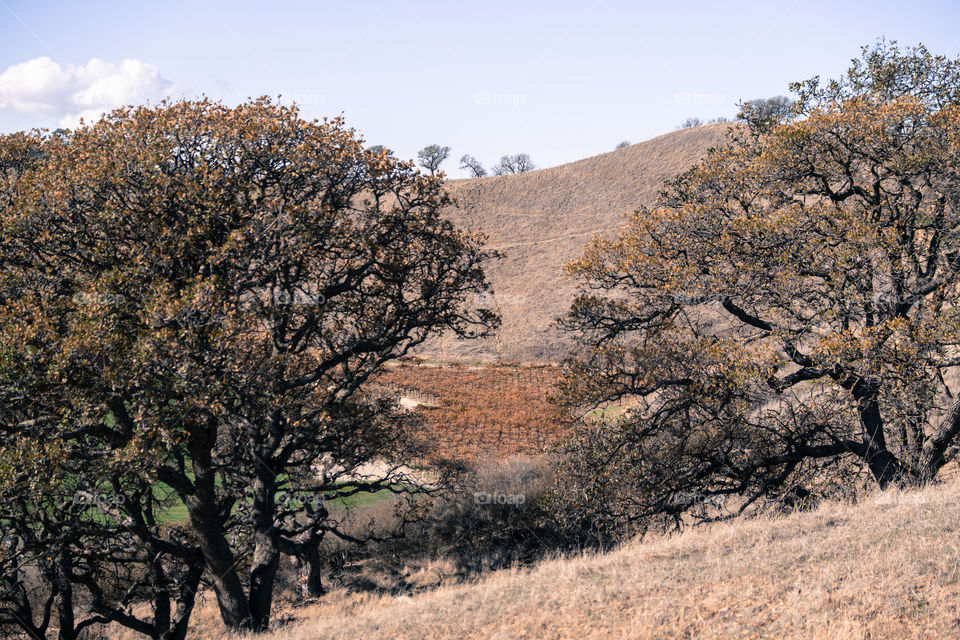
(484, 412)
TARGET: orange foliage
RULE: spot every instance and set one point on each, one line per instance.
(484, 412)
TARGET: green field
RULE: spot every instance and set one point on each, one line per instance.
(177, 512)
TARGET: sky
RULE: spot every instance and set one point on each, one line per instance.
(557, 80)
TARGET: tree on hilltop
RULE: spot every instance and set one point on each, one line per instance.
(690, 123)
(766, 112)
(509, 164)
(432, 156)
(473, 165)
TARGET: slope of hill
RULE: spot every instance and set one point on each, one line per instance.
(887, 567)
(542, 219)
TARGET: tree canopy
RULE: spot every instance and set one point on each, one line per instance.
(516, 163)
(787, 314)
(432, 156)
(473, 165)
(192, 298)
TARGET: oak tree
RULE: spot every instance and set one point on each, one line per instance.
(432, 156)
(787, 314)
(517, 163)
(473, 165)
(192, 298)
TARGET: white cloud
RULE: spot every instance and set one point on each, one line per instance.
(44, 89)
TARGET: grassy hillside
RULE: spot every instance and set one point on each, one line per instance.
(887, 567)
(542, 219)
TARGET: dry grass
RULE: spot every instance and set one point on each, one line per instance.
(541, 220)
(884, 568)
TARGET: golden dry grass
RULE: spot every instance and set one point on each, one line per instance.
(542, 219)
(887, 567)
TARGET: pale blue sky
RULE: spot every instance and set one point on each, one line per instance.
(558, 80)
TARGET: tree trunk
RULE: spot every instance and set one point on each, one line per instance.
(65, 613)
(310, 566)
(161, 600)
(883, 465)
(231, 599)
(266, 555)
(934, 454)
(185, 604)
(202, 508)
(65, 621)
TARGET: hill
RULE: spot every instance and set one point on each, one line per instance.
(887, 567)
(542, 219)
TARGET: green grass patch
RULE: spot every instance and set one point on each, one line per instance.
(177, 511)
(606, 413)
